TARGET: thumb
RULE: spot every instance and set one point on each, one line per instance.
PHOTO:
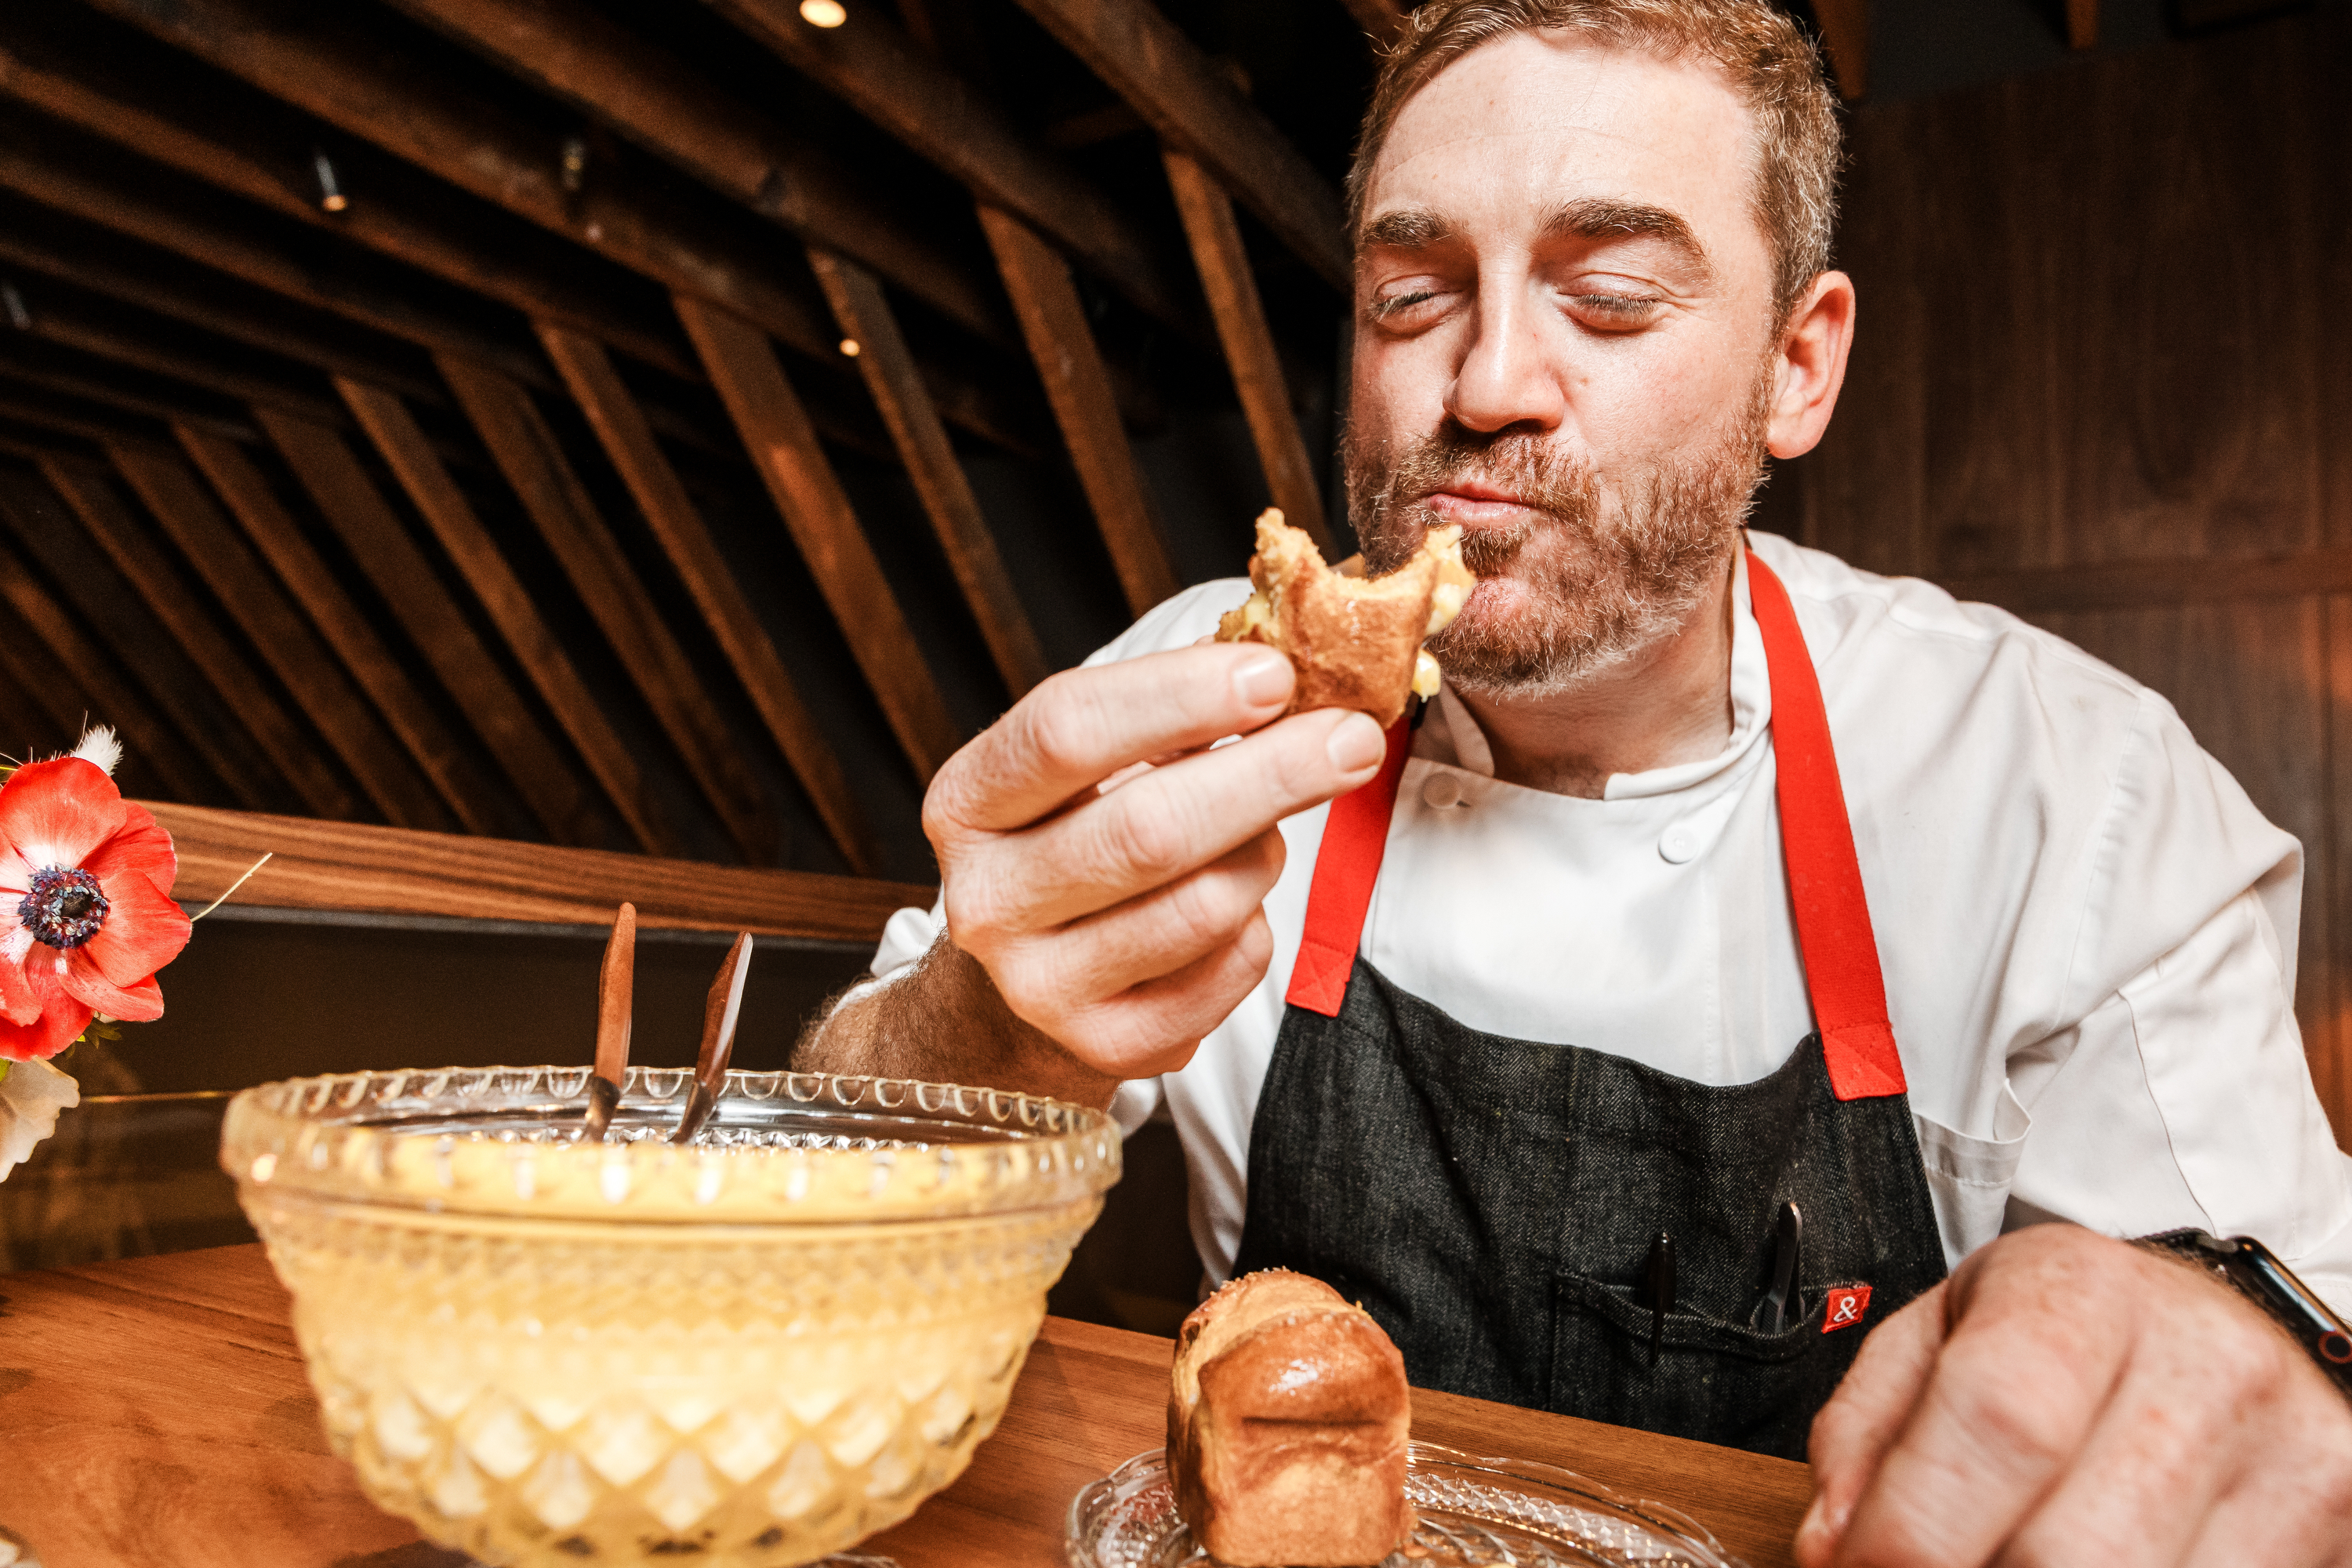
(1863, 1418)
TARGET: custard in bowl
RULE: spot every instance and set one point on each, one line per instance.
(756, 1349)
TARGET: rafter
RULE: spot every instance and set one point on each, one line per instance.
(113, 699)
(1216, 238)
(410, 455)
(2082, 23)
(662, 501)
(91, 492)
(541, 477)
(924, 104)
(1845, 30)
(1054, 319)
(954, 511)
(378, 542)
(1196, 108)
(377, 669)
(333, 62)
(38, 515)
(782, 445)
(118, 83)
(77, 382)
(73, 328)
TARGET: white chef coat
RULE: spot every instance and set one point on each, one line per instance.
(2087, 931)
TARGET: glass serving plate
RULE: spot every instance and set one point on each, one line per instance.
(756, 1350)
(1473, 1513)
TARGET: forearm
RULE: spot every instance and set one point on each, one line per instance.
(944, 1021)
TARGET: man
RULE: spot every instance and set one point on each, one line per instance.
(1501, 1042)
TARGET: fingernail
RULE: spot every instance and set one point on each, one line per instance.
(1263, 682)
(1356, 744)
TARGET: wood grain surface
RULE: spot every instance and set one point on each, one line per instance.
(156, 1413)
(394, 870)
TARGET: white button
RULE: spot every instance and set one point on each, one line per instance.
(1442, 791)
(1679, 844)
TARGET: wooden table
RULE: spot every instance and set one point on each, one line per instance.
(156, 1412)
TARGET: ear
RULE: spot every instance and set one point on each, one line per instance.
(1809, 366)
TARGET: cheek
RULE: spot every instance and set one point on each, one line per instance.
(1397, 387)
(1638, 409)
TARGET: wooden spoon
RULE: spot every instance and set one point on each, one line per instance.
(615, 988)
(719, 1014)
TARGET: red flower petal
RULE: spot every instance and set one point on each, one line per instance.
(55, 813)
(142, 932)
(142, 1001)
(18, 1004)
(59, 1025)
(61, 1018)
(139, 844)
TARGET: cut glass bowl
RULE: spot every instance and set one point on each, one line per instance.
(1471, 1513)
(753, 1351)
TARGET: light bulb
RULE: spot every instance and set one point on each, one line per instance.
(823, 12)
(849, 347)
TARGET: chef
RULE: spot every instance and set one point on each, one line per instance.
(1687, 1018)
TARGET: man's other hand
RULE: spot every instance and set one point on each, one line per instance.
(2065, 1398)
(1109, 870)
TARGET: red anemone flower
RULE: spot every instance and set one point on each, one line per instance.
(86, 910)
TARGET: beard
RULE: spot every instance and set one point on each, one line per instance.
(1605, 570)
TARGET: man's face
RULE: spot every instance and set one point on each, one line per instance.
(1564, 314)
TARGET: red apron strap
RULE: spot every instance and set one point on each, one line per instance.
(1841, 972)
(1840, 952)
(1355, 838)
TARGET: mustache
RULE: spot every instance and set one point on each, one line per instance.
(1562, 488)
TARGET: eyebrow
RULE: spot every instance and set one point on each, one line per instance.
(1405, 229)
(1599, 217)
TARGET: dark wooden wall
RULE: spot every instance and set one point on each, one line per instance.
(2103, 377)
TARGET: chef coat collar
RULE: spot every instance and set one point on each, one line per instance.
(1457, 730)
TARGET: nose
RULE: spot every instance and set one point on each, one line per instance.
(1505, 376)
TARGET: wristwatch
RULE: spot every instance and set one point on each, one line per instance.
(2255, 1272)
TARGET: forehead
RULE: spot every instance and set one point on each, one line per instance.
(1504, 135)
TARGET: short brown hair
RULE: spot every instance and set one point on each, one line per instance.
(1768, 57)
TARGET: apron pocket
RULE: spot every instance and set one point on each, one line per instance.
(1720, 1382)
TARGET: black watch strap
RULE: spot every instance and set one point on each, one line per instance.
(2257, 1274)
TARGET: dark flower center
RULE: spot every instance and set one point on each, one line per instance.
(65, 908)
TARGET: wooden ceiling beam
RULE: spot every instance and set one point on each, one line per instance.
(927, 105)
(1845, 31)
(865, 315)
(2082, 23)
(628, 441)
(1077, 386)
(18, 366)
(89, 489)
(330, 62)
(541, 477)
(415, 463)
(33, 166)
(1195, 107)
(1216, 238)
(783, 447)
(210, 542)
(182, 300)
(380, 672)
(71, 329)
(36, 688)
(41, 521)
(378, 541)
(122, 85)
(113, 699)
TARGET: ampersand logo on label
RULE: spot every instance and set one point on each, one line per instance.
(1846, 1305)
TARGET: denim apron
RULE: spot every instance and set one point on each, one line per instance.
(1496, 1204)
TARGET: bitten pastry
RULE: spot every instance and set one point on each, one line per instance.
(1288, 1419)
(1356, 641)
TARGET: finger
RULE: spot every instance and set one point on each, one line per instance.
(2295, 1499)
(1862, 1418)
(1156, 1026)
(1083, 725)
(2023, 1377)
(1162, 825)
(1169, 928)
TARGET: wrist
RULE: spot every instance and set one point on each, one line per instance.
(2244, 1266)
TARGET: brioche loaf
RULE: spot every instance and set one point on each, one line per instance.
(1355, 641)
(1288, 1419)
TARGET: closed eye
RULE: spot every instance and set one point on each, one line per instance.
(1617, 313)
(1389, 305)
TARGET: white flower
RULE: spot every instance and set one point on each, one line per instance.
(100, 745)
(30, 1097)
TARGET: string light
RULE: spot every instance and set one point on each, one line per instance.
(330, 190)
(823, 12)
(849, 346)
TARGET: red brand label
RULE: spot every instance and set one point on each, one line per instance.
(1846, 1305)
